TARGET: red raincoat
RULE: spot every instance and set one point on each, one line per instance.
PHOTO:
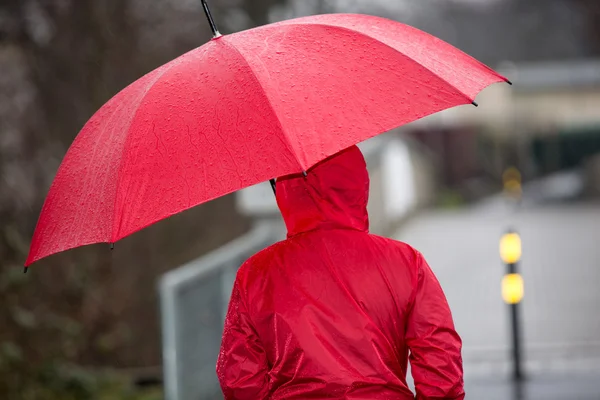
(334, 312)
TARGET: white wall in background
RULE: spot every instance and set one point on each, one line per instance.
(257, 200)
(399, 189)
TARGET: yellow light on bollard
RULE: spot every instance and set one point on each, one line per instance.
(513, 288)
(512, 174)
(512, 182)
(513, 186)
(510, 248)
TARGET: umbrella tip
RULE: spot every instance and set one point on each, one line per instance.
(112, 246)
(304, 173)
(509, 82)
(475, 104)
(25, 269)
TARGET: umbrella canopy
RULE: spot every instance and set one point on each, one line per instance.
(242, 109)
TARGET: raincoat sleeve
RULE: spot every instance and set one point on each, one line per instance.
(435, 347)
(242, 366)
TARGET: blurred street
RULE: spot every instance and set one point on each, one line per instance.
(561, 325)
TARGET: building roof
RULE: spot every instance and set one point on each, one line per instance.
(572, 74)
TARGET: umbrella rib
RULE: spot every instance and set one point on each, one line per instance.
(288, 142)
(114, 231)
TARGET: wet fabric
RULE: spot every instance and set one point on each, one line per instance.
(242, 109)
(334, 312)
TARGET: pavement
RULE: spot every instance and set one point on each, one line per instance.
(539, 388)
(561, 308)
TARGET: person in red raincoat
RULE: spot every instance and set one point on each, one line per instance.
(334, 312)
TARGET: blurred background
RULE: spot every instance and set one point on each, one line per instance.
(87, 324)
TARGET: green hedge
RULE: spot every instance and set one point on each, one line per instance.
(56, 381)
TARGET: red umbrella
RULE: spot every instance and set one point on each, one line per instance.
(242, 109)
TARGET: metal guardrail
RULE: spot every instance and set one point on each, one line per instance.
(194, 300)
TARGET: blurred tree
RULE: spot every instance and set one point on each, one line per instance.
(258, 10)
(591, 11)
(60, 61)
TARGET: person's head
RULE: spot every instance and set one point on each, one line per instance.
(333, 195)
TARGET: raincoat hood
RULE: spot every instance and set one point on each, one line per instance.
(333, 195)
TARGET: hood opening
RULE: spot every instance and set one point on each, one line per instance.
(333, 195)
